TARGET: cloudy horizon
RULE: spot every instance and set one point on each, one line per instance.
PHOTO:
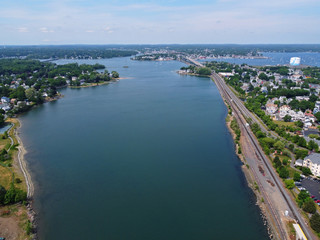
(62, 22)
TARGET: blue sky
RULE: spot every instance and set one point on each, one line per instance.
(159, 22)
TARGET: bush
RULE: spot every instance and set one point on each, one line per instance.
(309, 206)
(306, 171)
(277, 163)
(18, 180)
(289, 183)
(315, 222)
(296, 176)
(284, 172)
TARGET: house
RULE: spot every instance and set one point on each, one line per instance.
(271, 108)
(5, 100)
(283, 110)
(299, 163)
(313, 162)
(226, 74)
(264, 89)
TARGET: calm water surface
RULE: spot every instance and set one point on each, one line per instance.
(307, 58)
(148, 157)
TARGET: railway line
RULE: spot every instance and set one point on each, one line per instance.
(240, 110)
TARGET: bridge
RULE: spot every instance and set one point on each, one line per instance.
(189, 61)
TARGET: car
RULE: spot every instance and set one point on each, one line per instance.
(297, 183)
(312, 196)
(318, 201)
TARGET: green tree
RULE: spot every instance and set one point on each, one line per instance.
(306, 171)
(315, 222)
(284, 172)
(1, 119)
(204, 71)
(303, 195)
(263, 76)
(309, 206)
(115, 74)
(312, 145)
(289, 183)
(20, 93)
(296, 176)
(277, 163)
(287, 118)
(31, 94)
(299, 124)
(10, 195)
(279, 145)
(2, 194)
(317, 115)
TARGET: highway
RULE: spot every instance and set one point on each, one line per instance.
(240, 110)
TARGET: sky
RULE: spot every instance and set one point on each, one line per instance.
(46, 22)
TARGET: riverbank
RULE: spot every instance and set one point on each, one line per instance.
(97, 84)
(17, 221)
(250, 177)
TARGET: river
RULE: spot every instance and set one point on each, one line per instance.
(147, 157)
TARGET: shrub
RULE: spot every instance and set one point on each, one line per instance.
(309, 206)
(289, 183)
(296, 176)
(315, 222)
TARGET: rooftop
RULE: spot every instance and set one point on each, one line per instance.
(314, 157)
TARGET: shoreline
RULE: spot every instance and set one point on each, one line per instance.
(22, 163)
(18, 221)
(250, 178)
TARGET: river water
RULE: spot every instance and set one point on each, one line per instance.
(275, 58)
(147, 157)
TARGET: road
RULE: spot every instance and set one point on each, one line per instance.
(277, 198)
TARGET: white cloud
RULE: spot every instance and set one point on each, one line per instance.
(45, 30)
(22, 29)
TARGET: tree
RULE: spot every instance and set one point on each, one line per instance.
(115, 74)
(2, 194)
(279, 145)
(20, 93)
(1, 119)
(309, 206)
(312, 145)
(287, 118)
(289, 183)
(263, 76)
(284, 173)
(317, 115)
(303, 195)
(31, 94)
(299, 124)
(10, 195)
(306, 171)
(315, 222)
(276, 161)
(296, 176)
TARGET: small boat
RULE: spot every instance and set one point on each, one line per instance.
(125, 66)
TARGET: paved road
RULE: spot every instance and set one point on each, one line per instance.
(240, 109)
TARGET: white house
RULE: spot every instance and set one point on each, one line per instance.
(271, 108)
(284, 110)
(313, 162)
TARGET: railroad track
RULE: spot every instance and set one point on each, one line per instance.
(234, 103)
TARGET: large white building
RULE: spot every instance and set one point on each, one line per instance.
(313, 162)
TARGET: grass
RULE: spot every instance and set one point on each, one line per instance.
(5, 177)
(286, 124)
(5, 174)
